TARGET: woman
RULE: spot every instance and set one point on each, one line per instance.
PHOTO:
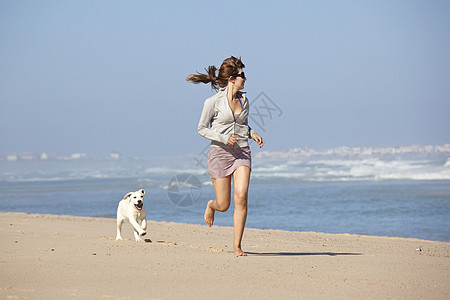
(224, 121)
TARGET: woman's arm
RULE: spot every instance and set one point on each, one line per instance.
(257, 138)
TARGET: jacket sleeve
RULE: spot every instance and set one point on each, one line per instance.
(250, 130)
(203, 125)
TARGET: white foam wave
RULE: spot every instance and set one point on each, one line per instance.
(355, 169)
(427, 167)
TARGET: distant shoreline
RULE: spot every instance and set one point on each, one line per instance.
(293, 152)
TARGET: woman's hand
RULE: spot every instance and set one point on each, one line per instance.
(232, 140)
(258, 139)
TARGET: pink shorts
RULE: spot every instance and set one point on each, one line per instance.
(223, 161)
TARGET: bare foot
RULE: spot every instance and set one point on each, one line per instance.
(238, 252)
(209, 214)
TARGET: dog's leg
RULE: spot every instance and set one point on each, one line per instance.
(137, 238)
(119, 229)
(138, 231)
(144, 224)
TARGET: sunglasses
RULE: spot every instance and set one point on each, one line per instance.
(242, 75)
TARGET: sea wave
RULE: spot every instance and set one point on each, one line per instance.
(342, 164)
(354, 169)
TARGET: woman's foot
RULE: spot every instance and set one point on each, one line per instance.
(238, 251)
(209, 214)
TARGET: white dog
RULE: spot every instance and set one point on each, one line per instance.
(131, 208)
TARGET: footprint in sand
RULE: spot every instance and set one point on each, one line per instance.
(209, 249)
(167, 243)
(214, 249)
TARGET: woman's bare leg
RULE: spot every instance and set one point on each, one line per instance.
(222, 189)
(241, 179)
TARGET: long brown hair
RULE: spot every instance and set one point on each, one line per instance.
(230, 66)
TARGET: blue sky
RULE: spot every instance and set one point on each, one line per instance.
(103, 76)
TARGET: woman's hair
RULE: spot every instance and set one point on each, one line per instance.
(230, 66)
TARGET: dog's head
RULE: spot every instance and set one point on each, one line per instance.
(136, 198)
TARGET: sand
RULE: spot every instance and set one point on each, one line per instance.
(66, 257)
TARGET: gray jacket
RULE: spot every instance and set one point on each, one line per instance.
(217, 121)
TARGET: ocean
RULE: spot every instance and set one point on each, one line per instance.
(397, 191)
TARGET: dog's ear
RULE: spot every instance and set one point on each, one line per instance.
(143, 192)
(127, 195)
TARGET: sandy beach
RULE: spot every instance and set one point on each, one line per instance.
(66, 257)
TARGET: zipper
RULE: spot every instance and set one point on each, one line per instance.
(232, 114)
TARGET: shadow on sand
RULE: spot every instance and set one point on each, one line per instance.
(300, 253)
